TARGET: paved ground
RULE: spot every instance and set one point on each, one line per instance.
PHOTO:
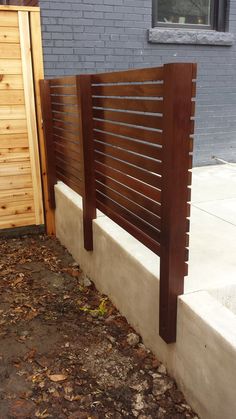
(213, 227)
(65, 351)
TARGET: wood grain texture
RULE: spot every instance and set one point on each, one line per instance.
(8, 18)
(11, 112)
(129, 90)
(13, 126)
(10, 66)
(11, 82)
(10, 51)
(129, 76)
(85, 105)
(31, 113)
(38, 71)
(11, 97)
(9, 35)
(176, 132)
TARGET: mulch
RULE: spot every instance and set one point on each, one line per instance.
(65, 351)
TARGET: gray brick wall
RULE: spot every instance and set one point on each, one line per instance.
(102, 35)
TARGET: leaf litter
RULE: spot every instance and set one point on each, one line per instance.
(65, 351)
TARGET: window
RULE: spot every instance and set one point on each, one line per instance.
(198, 14)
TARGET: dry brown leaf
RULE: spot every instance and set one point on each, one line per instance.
(57, 377)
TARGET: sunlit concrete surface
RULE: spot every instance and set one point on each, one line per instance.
(213, 228)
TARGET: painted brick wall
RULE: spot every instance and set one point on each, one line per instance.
(101, 35)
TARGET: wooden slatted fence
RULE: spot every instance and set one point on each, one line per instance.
(123, 140)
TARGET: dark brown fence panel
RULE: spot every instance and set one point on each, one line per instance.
(123, 141)
(127, 133)
(28, 3)
(66, 131)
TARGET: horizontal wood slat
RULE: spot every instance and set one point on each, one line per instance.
(64, 100)
(14, 168)
(70, 109)
(127, 168)
(73, 118)
(15, 182)
(128, 76)
(67, 147)
(62, 81)
(141, 105)
(108, 200)
(10, 51)
(63, 90)
(129, 227)
(144, 120)
(64, 134)
(74, 184)
(153, 195)
(10, 66)
(130, 145)
(129, 90)
(16, 196)
(140, 204)
(9, 35)
(12, 111)
(11, 221)
(11, 97)
(142, 134)
(14, 140)
(9, 19)
(67, 126)
(11, 82)
(129, 157)
(16, 208)
(13, 126)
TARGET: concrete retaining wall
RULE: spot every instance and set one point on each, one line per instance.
(203, 360)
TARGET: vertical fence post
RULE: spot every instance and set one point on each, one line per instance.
(176, 164)
(84, 94)
(49, 145)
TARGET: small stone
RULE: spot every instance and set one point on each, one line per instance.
(139, 403)
(133, 339)
(86, 282)
(162, 369)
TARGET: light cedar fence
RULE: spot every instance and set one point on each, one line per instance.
(123, 141)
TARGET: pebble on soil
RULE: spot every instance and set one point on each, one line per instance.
(65, 351)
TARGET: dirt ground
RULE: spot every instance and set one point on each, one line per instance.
(65, 351)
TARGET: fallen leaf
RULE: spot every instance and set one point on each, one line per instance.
(57, 377)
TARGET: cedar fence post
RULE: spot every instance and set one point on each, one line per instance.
(85, 110)
(177, 128)
(48, 135)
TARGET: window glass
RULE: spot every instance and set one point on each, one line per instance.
(192, 12)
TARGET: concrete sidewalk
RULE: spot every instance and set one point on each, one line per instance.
(213, 228)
